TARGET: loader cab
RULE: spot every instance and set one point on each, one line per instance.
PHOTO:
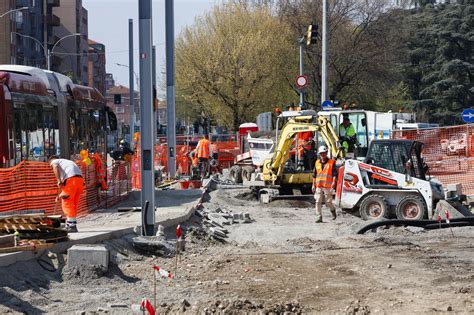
(401, 156)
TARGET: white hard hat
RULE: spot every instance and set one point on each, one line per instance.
(322, 149)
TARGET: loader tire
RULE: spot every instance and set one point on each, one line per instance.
(247, 172)
(411, 207)
(374, 207)
(235, 174)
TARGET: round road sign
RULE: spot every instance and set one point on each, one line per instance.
(301, 81)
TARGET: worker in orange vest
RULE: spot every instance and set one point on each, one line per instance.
(305, 143)
(324, 183)
(204, 153)
(72, 185)
(100, 172)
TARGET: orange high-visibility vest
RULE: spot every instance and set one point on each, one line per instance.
(324, 177)
(203, 148)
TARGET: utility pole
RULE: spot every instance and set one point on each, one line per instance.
(301, 41)
(155, 91)
(147, 138)
(130, 79)
(324, 66)
(170, 90)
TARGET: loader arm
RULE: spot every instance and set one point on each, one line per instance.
(274, 167)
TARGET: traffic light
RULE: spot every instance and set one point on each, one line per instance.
(117, 98)
(312, 35)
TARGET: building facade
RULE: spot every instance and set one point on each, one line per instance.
(71, 54)
(96, 66)
(25, 35)
(109, 81)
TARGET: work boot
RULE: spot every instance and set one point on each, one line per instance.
(334, 215)
(71, 228)
(319, 220)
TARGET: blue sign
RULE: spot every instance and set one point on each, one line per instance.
(468, 115)
(327, 104)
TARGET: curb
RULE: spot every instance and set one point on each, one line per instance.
(11, 258)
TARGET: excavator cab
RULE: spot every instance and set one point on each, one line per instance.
(401, 156)
(352, 129)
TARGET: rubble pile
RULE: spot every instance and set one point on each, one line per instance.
(215, 220)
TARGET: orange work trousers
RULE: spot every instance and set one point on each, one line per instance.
(70, 194)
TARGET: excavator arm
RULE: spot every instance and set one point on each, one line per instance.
(273, 168)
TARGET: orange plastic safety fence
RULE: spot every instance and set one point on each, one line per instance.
(448, 151)
(32, 186)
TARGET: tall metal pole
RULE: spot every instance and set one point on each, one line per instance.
(155, 91)
(146, 121)
(170, 91)
(324, 66)
(301, 41)
(131, 78)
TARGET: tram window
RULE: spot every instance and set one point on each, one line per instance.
(51, 132)
(35, 133)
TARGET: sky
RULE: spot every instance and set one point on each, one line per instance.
(108, 24)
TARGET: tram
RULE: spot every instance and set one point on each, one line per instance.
(44, 113)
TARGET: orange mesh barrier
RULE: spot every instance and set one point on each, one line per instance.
(32, 186)
(226, 146)
(448, 151)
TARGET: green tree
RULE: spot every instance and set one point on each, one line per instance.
(234, 63)
(440, 70)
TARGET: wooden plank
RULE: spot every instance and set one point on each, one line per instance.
(7, 240)
(25, 248)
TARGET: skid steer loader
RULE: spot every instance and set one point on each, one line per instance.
(391, 182)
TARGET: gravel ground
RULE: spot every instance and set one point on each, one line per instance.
(281, 262)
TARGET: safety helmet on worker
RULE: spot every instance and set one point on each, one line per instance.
(122, 142)
(323, 149)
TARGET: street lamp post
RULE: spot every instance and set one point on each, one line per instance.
(50, 52)
(137, 80)
(47, 52)
(37, 41)
(14, 10)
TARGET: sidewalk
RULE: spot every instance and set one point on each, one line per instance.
(173, 207)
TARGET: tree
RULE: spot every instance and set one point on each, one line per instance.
(234, 63)
(440, 69)
(359, 47)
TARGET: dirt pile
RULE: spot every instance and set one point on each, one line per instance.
(83, 274)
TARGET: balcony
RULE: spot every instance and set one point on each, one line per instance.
(54, 3)
(54, 20)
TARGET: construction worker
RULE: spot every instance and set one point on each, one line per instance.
(324, 182)
(204, 152)
(305, 144)
(72, 184)
(347, 134)
(194, 164)
(126, 152)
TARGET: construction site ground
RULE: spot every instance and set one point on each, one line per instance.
(280, 262)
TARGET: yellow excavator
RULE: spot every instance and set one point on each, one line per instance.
(280, 178)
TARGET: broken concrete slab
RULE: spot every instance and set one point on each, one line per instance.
(88, 255)
(217, 218)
